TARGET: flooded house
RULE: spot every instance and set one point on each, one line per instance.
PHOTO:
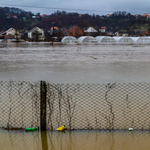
(91, 32)
(36, 34)
(75, 31)
(11, 34)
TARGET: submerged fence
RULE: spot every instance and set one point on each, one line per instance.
(78, 106)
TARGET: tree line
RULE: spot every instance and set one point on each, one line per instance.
(26, 21)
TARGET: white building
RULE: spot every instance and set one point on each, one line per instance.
(13, 32)
(36, 31)
(91, 29)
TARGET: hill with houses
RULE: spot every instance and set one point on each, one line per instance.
(60, 23)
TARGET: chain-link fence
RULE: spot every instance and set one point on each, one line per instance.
(98, 106)
(19, 105)
(78, 106)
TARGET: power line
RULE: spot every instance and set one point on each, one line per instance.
(56, 8)
(8, 1)
(6, 4)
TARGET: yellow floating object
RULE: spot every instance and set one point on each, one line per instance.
(61, 128)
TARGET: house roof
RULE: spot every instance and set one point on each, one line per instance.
(103, 27)
(108, 14)
(144, 15)
(90, 29)
(56, 28)
(65, 30)
(35, 28)
(44, 15)
(9, 30)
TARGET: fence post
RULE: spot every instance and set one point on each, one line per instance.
(43, 105)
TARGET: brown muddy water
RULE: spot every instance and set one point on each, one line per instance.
(74, 64)
(75, 140)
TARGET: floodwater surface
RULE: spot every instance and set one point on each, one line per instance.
(75, 140)
(74, 63)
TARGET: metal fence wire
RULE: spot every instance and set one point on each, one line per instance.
(98, 106)
(19, 105)
(78, 106)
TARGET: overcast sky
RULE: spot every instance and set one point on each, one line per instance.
(99, 7)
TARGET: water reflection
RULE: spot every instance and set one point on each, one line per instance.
(75, 140)
(44, 140)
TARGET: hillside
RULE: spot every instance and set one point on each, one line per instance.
(20, 19)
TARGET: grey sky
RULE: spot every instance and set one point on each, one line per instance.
(100, 6)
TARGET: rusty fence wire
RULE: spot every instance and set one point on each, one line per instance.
(78, 106)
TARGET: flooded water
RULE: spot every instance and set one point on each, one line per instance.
(74, 64)
(75, 140)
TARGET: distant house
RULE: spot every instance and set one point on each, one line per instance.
(91, 32)
(144, 32)
(144, 15)
(55, 28)
(122, 33)
(15, 17)
(136, 15)
(33, 17)
(102, 29)
(108, 15)
(140, 32)
(65, 31)
(75, 31)
(13, 33)
(148, 16)
(54, 31)
(44, 16)
(36, 34)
